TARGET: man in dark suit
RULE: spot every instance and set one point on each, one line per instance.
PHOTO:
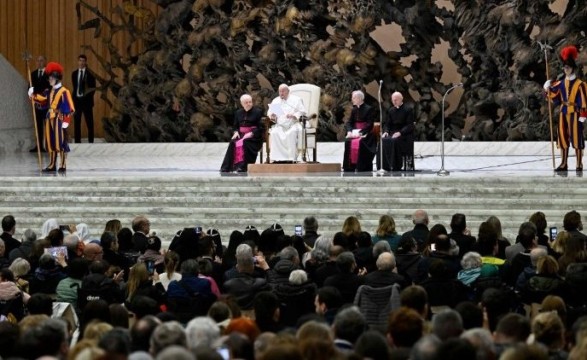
(8, 229)
(40, 83)
(141, 227)
(84, 86)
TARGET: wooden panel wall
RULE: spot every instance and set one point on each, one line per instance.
(51, 29)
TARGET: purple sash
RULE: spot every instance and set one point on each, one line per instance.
(355, 143)
(239, 152)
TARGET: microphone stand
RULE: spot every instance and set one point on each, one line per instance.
(380, 170)
(442, 171)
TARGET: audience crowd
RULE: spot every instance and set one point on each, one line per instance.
(72, 292)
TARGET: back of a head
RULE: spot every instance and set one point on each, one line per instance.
(116, 343)
(265, 304)
(124, 237)
(527, 234)
(415, 297)
(175, 352)
(546, 265)
(487, 239)
(425, 348)
(8, 223)
(141, 332)
(190, 267)
(442, 243)
(372, 345)
(420, 217)
(538, 219)
(107, 239)
(167, 334)
(525, 352)
(140, 223)
(385, 262)
(549, 329)
(314, 329)
(405, 326)
(345, 262)
(201, 331)
(513, 328)
(496, 302)
(310, 224)
(572, 221)
(471, 313)
(349, 324)
(456, 349)
(330, 296)
(458, 223)
(447, 324)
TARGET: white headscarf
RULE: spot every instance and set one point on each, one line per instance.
(49, 225)
(83, 232)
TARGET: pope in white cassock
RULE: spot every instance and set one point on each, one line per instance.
(286, 134)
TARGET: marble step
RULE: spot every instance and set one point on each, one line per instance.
(390, 201)
(226, 203)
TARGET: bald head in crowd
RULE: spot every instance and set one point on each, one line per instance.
(385, 262)
(420, 217)
(93, 251)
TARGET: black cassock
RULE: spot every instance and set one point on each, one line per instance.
(397, 120)
(362, 118)
(241, 153)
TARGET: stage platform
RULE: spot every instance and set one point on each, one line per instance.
(294, 169)
(462, 159)
(180, 185)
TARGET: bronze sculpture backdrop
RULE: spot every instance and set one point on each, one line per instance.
(200, 55)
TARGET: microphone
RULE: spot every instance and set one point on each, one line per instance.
(380, 83)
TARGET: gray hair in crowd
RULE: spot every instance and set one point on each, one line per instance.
(385, 262)
(323, 243)
(471, 260)
(359, 94)
(29, 236)
(175, 352)
(288, 253)
(298, 277)
(243, 250)
(381, 247)
(202, 331)
(20, 267)
(425, 348)
(71, 241)
(447, 324)
(167, 334)
(482, 341)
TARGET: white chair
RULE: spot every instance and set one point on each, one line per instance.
(310, 95)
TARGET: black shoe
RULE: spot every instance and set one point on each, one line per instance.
(62, 169)
(48, 169)
(561, 168)
(33, 150)
(579, 170)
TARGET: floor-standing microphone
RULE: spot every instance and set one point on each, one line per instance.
(380, 170)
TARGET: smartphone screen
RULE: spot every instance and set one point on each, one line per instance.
(298, 230)
(553, 233)
(55, 251)
(224, 352)
(150, 264)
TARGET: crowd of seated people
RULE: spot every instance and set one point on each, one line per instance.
(75, 293)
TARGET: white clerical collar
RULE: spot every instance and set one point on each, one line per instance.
(57, 86)
(572, 77)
